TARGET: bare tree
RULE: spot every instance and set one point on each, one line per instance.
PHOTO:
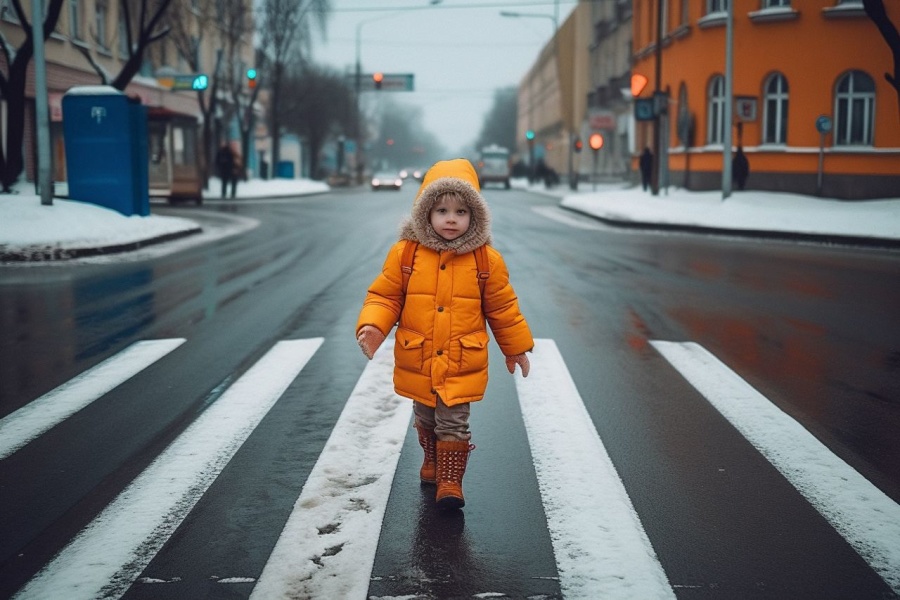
(141, 28)
(12, 88)
(285, 29)
(236, 30)
(190, 24)
(500, 122)
(317, 105)
(877, 13)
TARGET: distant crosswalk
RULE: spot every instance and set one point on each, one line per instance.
(327, 547)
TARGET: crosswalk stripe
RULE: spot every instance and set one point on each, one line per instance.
(327, 548)
(866, 517)
(108, 554)
(600, 545)
(24, 425)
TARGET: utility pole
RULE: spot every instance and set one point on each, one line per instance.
(40, 104)
(657, 105)
(729, 101)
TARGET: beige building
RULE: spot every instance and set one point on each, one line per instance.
(93, 31)
(574, 89)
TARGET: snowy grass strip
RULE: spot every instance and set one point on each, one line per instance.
(600, 545)
(108, 555)
(327, 548)
(866, 517)
(24, 425)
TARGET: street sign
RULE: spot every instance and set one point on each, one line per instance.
(823, 124)
(643, 109)
(390, 82)
(176, 83)
(745, 108)
(602, 119)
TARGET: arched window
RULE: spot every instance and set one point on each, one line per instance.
(854, 110)
(775, 110)
(715, 111)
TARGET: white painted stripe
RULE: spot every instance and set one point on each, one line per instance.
(327, 548)
(36, 417)
(600, 545)
(109, 554)
(866, 517)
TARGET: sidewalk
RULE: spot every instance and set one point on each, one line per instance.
(30, 232)
(68, 229)
(744, 213)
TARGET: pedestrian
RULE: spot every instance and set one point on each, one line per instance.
(237, 172)
(646, 162)
(456, 283)
(225, 158)
(740, 168)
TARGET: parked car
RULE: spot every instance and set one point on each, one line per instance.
(386, 180)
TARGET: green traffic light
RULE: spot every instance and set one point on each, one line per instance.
(529, 135)
(251, 73)
(201, 82)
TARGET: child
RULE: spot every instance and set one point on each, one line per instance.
(441, 353)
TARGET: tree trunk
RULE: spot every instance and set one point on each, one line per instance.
(278, 72)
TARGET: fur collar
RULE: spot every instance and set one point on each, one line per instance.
(417, 226)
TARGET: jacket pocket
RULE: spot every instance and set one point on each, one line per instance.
(473, 354)
(409, 350)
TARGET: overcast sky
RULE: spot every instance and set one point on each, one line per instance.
(460, 51)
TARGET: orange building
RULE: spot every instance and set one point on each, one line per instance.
(794, 61)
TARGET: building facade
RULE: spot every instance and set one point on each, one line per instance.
(94, 31)
(799, 66)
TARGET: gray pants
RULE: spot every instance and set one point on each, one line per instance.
(450, 423)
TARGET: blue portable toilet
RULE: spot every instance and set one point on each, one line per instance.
(106, 149)
(285, 169)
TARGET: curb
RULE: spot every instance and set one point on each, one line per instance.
(821, 238)
(50, 253)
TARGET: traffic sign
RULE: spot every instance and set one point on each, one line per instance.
(824, 124)
(643, 109)
(388, 82)
(194, 81)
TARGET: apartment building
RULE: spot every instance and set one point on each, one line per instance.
(800, 66)
(93, 31)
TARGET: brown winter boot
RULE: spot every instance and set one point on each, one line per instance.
(451, 466)
(427, 439)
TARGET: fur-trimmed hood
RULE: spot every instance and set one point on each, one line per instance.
(457, 175)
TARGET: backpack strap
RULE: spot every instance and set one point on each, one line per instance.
(406, 262)
(482, 264)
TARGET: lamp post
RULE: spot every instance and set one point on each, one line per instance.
(358, 89)
(358, 85)
(40, 104)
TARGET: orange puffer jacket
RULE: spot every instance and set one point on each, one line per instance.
(441, 343)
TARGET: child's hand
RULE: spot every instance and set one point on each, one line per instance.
(369, 339)
(518, 359)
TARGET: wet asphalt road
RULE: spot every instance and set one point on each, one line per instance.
(813, 328)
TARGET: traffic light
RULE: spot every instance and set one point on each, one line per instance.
(378, 78)
(578, 145)
(251, 78)
(596, 141)
(529, 135)
(638, 83)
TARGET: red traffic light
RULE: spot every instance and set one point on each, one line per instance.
(578, 145)
(378, 78)
(596, 141)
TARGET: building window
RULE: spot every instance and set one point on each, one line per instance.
(854, 110)
(75, 20)
(776, 3)
(102, 13)
(775, 110)
(715, 111)
(123, 37)
(716, 6)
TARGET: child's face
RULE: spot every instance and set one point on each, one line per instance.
(450, 217)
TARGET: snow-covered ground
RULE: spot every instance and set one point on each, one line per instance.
(31, 231)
